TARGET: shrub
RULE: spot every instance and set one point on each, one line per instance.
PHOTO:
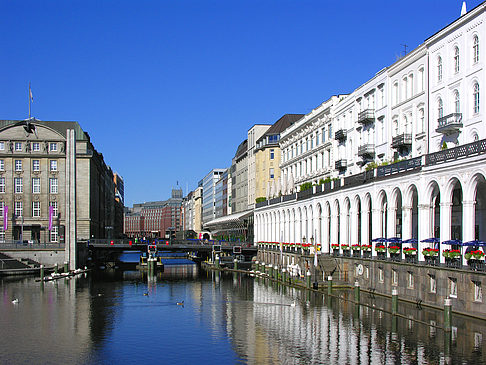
(306, 186)
(260, 199)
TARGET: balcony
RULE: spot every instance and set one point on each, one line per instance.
(366, 150)
(366, 116)
(340, 135)
(451, 123)
(341, 164)
(403, 140)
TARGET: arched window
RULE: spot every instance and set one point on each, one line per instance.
(421, 126)
(395, 128)
(457, 102)
(440, 109)
(475, 49)
(456, 59)
(476, 97)
(439, 68)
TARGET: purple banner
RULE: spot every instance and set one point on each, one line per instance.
(51, 213)
(5, 218)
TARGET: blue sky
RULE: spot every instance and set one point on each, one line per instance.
(168, 89)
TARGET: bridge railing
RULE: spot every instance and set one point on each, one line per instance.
(7, 245)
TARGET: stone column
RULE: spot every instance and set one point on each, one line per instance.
(70, 220)
(425, 227)
(391, 228)
(468, 220)
(406, 222)
(353, 226)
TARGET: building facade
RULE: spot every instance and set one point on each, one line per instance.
(268, 179)
(254, 134)
(239, 175)
(159, 219)
(402, 156)
(208, 184)
(33, 183)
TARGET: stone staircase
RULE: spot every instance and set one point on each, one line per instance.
(9, 263)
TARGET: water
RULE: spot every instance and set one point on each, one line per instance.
(106, 318)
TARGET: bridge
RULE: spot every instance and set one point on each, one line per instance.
(109, 250)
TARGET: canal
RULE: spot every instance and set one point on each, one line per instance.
(125, 317)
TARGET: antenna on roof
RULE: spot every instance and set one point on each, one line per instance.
(404, 49)
(463, 9)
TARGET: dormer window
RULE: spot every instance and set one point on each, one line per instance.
(53, 147)
(18, 146)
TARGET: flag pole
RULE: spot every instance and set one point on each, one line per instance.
(29, 99)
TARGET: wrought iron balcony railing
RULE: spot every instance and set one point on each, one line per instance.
(449, 124)
(341, 164)
(366, 116)
(340, 135)
(402, 140)
(366, 150)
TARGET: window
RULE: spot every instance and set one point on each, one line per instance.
(453, 287)
(421, 80)
(457, 102)
(475, 49)
(36, 185)
(18, 146)
(35, 209)
(36, 146)
(476, 98)
(478, 292)
(18, 209)
(54, 208)
(53, 185)
(330, 131)
(18, 165)
(317, 139)
(456, 59)
(271, 173)
(2, 185)
(2, 165)
(440, 109)
(381, 277)
(2, 146)
(18, 184)
(35, 165)
(272, 156)
(54, 234)
(439, 69)
(395, 93)
(394, 277)
(421, 126)
(53, 147)
(410, 280)
(53, 165)
(323, 135)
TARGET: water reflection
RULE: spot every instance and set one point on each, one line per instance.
(125, 316)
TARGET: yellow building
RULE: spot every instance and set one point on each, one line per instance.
(267, 156)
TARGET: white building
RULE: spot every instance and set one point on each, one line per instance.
(428, 100)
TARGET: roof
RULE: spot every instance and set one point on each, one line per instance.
(282, 124)
(242, 148)
(59, 126)
(233, 218)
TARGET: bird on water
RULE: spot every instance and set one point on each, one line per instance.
(180, 303)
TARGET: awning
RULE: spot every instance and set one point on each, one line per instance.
(233, 218)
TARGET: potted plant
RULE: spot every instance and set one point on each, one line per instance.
(410, 251)
(356, 247)
(345, 246)
(393, 249)
(478, 254)
(380, 249)
(335, 246)
(365, 247)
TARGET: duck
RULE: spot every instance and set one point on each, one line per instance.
(292, 304)
(146, 294)
(15, 301)
(180, 303)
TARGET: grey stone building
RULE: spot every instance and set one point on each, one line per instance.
(33, 183)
